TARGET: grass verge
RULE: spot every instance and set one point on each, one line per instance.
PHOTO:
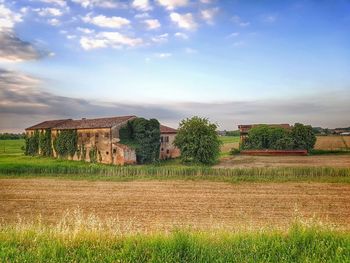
(298, 244)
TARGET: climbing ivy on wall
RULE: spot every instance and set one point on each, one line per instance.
(45, 143)
(32, 144)
(66, 143)
(144, 136)
(93, 154)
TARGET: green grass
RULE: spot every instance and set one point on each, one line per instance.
(299, 244)
(229, 139)
(12, 147)
(15, 164)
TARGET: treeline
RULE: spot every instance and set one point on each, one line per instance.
(11, 136)
(299, 137)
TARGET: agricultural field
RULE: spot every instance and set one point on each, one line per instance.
(332, 143)
(229, 142)
(75, 211)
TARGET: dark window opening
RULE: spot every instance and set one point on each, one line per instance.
(114, 150)
(107, 153)
(106, 134)
(166, 138)
(162, 149)
(161, 138)
(167, 151)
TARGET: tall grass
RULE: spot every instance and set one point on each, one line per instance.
(76, 240)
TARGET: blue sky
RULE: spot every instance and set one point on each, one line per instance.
(232, 61)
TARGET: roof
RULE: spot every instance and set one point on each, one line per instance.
(94, 123)
(47, 124)
(166, 129)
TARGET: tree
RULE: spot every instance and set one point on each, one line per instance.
(32, 144)
(198, 140)
(303, 137)
(266, 137)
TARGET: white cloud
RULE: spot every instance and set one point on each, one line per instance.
(238, 21)
(104, 21)
(161, 38)
(54, 22)
(172, 4)
(142, 16)
(85, 30)
(61, 3)
(163, 55)
(100, 3)
(206, 1)
(8, 19)
(209, 14)
(181, 35)
(185, 21)
(71, 36)
(108, 39)
(152, 23)
(142, 5)
(48, 11)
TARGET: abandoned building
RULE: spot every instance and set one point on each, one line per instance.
(244, 129)
(103, 135)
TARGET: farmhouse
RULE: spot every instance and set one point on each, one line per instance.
(102, 135)
(244, 129)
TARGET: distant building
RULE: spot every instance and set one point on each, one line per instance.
(167, 147)
(244, 129)
(103, 134)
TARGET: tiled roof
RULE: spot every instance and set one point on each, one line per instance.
(165, 129)
(94, 123)
(48, 124)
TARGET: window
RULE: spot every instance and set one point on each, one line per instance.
(96, 135)
(167, 151)
(161, 139)
(162, 149)
(114, 150)
(88, 134)
(107, 153)
(166, 138)
(107, 134)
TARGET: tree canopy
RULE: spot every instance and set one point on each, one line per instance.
(198, 140)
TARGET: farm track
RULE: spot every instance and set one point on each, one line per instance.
(154, 205)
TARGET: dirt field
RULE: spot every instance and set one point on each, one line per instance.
(242, 161)
(332, 142)
(151, 205)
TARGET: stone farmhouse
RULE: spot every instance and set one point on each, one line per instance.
(103, 134)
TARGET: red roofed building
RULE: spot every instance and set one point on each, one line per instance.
(167, 147)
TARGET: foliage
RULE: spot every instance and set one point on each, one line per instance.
(303, 137)
(23, 243)
(32, 144)
(144, 136)
(93, 154)
(198, 141)
(234, 151)
(300, 137)
(12, 136)
(45, 144)
(66, 143)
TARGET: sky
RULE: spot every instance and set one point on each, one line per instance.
(234, 62)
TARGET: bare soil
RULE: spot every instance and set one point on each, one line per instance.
(245, 161)
(154, 205)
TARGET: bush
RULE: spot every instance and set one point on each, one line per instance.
(144, 136)
(300, 137)
(234, 151)
(198, 141)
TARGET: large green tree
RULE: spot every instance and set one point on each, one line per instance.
(198, 140)
(303, 137)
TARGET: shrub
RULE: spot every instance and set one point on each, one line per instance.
(303, 137)
(234, 151)
(198, 141)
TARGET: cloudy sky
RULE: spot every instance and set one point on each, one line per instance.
(237, 61)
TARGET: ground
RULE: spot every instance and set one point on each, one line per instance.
(245, 161)
(154, 205)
